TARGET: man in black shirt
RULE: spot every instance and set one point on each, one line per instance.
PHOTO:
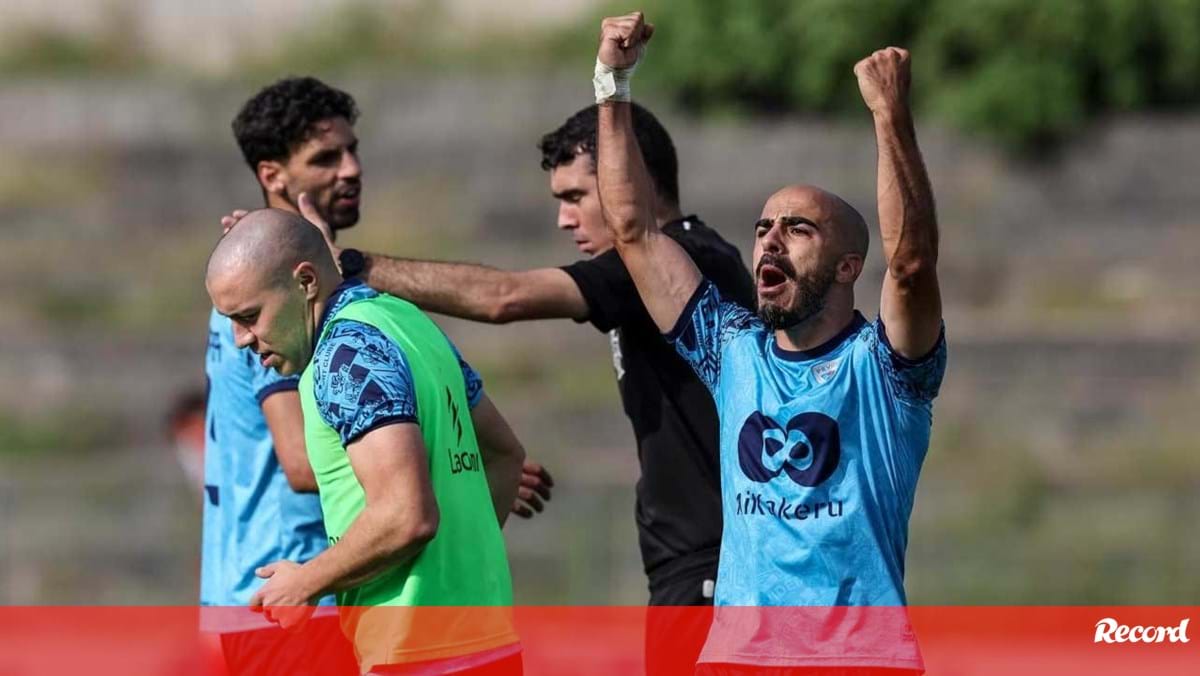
(673, 416)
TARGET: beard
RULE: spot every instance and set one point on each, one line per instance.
(808, 298)
(340, 219)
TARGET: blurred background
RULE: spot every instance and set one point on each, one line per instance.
(1061, 136)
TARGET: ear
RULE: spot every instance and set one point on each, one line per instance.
(272, 176)
(306, 277)
(849, 267)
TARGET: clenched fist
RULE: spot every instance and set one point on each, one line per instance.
(622, 39)
(883, 79)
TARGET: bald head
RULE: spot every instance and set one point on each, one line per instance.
(266, 246)
(846, 225)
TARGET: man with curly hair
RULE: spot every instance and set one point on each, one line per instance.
(297, 136)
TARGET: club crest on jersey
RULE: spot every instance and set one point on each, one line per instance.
(825, 371)
(807, 450)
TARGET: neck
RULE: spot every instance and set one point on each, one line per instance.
(320, 304)
(275, 201)
(816, 330)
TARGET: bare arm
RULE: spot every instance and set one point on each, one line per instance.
(666, 278)
(286, 423)
(467, 290)
(478, 292)
(503, 455)
(911, 304)
(400, 516)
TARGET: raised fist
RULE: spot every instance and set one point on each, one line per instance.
(622, 39)
(883, 79)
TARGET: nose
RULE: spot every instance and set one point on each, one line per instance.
(242, 336)
(567, 217)
(350, 168)
(772, 241)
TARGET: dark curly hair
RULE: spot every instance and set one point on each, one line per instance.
(577, 136)
(281, 116)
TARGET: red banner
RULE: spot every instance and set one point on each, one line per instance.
(587, 640)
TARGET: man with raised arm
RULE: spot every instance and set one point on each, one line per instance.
(825, 416)
(404, 444)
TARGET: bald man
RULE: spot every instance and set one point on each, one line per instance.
(825, 416)
(390, 418)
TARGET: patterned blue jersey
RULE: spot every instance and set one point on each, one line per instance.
(251, 515)
(363, 381)
(820, 453)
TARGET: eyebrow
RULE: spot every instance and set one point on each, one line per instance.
(561, 194)
(237, 314)
(785, 221)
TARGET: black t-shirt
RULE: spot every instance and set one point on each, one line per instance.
(673, 415)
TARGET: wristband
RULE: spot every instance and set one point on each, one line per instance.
(612, 84)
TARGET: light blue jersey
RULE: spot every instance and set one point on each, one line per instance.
(820, 454)
(251, 515)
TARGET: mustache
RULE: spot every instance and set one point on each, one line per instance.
(784, 265)
(347, 187)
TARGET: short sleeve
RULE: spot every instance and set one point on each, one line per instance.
(471, 378)
(266, 381)
(362, 381)
(607, 288)
(704, 328)
(917, 380)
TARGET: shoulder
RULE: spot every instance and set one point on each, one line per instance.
(913, 379)
(605, 265)
(348, 341)
(709, 313)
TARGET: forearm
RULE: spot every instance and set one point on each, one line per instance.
(623, 182)
(664, 275)
(503, 456)
(375, 542)
(907, 215)
(504, 480)
(465, 290)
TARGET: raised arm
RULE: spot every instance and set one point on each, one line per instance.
(911, 304)
(665, 276)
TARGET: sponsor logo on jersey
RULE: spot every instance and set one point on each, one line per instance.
(806, 450)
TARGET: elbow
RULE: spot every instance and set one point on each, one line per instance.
(625, 220)
(413, 535)
(423, 531)
(909, 270)
(507, 305)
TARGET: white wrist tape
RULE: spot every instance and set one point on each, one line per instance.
(612, 84)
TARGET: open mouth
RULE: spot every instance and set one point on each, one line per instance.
(347, 197)
(771, 277)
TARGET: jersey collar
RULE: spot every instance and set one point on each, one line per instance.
(346, 292)
(824, 348)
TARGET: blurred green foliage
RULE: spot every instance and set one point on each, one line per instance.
(1023, 72)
